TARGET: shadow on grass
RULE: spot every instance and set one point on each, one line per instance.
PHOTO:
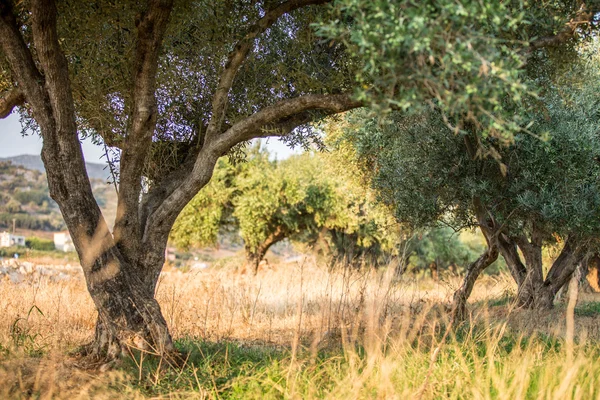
(210, 368)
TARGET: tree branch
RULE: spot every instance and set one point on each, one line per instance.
(285, 115)
(508, 249)
(54, 65)
(25, 72)
(565, 264)
(150, 31)
(10, 100)
(238, 55)
(583, 16)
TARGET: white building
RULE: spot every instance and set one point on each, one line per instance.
(7, 240)
(63, 242)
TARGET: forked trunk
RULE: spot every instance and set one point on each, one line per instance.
(538, 293)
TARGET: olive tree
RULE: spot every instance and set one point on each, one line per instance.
(265, 201)
(170, 86)
(544, 191)
(302, 199)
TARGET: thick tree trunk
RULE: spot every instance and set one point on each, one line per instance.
(121, 271)
(537, 293)
(128, 317)
(459, 304)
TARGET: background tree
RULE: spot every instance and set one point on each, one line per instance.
(301, 199)
(542, 191)
(439, 248)
(170, 87)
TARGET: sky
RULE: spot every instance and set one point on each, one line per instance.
(12, 143)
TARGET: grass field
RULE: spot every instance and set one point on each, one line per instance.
(304, 331)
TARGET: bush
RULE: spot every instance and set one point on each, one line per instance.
(26, 221)
(35, 243)
(38, 197)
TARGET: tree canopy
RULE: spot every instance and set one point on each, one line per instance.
(300, 199)
(544, 189)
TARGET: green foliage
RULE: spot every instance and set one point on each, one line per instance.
(35, 243)
(287, 61)
(442, 246)
(290, 196)
(201, 220)
(427, 173)
(591, 309)
(299, 198)
(37, 197)
(23, 336)
(521, 367)
(363, 225)
(463, 58)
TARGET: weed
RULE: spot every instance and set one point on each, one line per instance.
(22, 336)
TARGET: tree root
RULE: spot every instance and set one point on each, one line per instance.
(108, 352)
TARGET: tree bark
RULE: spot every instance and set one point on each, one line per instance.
(537, 292)
(255, 256)
(531, 286)
(508, 250)
(459, 304)
(122, 270)
(129, 317)
(128, 314)
(491, 232)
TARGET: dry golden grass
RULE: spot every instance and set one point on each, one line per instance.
(217, 304)
(303, 308)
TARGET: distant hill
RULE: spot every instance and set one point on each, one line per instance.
(24, 196)
(34, 162)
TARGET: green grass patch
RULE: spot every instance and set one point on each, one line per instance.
(475, 363)
(590, 309)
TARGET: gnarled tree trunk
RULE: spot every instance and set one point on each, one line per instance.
(129, 317)
(535, 291)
